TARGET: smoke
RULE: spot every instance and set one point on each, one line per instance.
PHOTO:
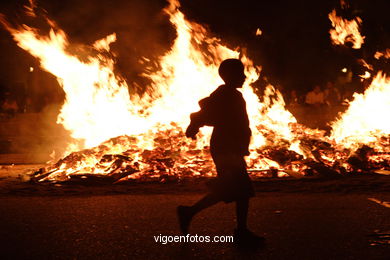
(36, 136)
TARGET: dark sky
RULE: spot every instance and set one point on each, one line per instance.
(294, 50)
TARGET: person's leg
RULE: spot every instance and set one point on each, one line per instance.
(186, 213)
(243, 237)
(205, 202)
(242, 206)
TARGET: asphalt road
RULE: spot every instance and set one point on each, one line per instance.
(296, 226)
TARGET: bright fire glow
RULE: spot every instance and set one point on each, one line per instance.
(132, 136)
(344, 31)
(366, 75)
(364, 122)
(98, 105)
(385, 54)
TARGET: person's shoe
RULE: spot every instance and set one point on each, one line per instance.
(184, 215)
(247, 239)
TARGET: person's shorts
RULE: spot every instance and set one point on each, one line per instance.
(232, 182)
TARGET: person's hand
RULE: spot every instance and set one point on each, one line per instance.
(244, 151)
(192, 131)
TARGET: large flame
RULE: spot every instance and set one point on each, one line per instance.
(364, 122)
(98, 105)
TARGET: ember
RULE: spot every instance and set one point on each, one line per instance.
(122, 137)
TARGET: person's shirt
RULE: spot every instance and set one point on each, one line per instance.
(313, 98)
(225, 110)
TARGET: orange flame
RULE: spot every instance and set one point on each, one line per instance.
(385, 54)
(363, 122)
(118, 131)
(98, 105)
(30, 9)
(345, 31)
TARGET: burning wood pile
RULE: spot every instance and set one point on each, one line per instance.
(174, 158)
(121, 137)
(168, 161)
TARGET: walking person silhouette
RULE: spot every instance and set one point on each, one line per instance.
(225, 110)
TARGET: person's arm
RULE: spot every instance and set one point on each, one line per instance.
(201, 118)
(194, 125)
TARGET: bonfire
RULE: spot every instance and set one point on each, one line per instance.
(125, 137)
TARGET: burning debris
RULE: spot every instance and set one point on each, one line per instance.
(122, 137)
(175, 158)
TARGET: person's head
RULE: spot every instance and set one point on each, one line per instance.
(317, 89)
(232, 72)
(329, 85)
(293, 93)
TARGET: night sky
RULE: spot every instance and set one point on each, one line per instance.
(294, 50)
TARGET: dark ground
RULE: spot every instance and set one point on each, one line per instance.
(301, 219)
